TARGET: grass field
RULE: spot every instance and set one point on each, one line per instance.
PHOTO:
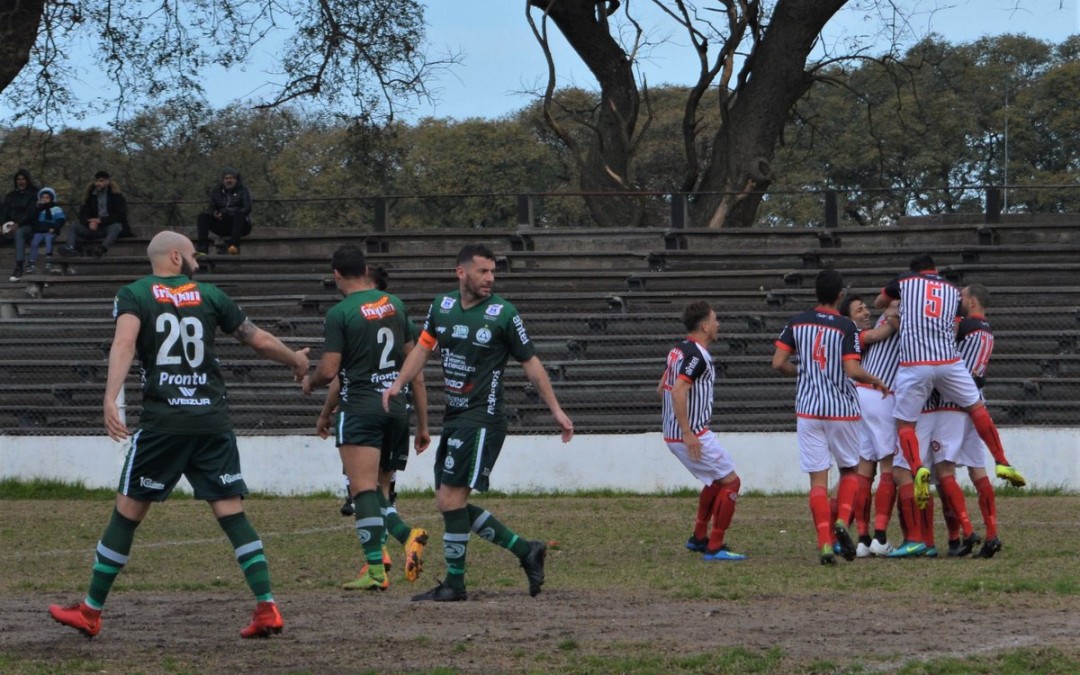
(622, 594)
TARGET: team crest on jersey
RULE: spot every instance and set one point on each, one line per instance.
(493, 310)
(182, 296)
(483, 336)
(380, 309)
(447, 303)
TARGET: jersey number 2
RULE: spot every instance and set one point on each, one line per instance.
(385, 335)
(188, 331)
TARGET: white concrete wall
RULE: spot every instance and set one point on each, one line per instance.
(766, 462)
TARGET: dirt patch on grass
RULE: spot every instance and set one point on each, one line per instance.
(505, 630)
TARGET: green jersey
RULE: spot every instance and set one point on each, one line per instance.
(369, 329)
(475, 345)
(182, 387)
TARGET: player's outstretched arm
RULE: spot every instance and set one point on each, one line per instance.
(325, 373)
(121, 354)
(269, 347)
(414, 364)
(854, 370)
(534, 370)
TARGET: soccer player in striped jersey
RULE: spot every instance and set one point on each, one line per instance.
(959, 443)
(687, 388)
(929, 359)
(826, 405)
(877, 429)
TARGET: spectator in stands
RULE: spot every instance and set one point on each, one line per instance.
(49, 222)
(169, 322)
(476, 332)
(877, 429)
(826, 406)
(367, 339)
(687, 389)
(17, 214)
(229, 214)
(103, 215)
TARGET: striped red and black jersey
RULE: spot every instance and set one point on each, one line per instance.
(689, 360)
(823, 340)
(881, 359)
(975, 341)
(929, 305)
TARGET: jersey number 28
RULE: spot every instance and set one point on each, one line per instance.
(187, 331)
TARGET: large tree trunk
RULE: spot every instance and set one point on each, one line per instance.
(19, 21)
(606, 163)
(743, 148)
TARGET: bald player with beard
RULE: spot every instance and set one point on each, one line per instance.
(169, 322)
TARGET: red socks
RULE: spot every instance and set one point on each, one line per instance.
(953, 504)
(980, 417)
(845, 496)
(723, 510)
(884, 500)
(819, 511)
(909, 445)
(705, 509)
(910, 517)
(861, 505)
(988, 505)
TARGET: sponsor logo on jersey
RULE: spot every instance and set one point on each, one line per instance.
(457, 386)
(189, 401)
(447, 303)
(520, 326)
(227, 478)
(455, 443)
(440, 330)
(182, 380)
(493, 310)
(380, 309)
(188, 391)
(150, 483)
(182, 296)
(460, 331)
(483, 336)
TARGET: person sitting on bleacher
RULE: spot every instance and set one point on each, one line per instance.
(49, 222)
(103, 215)
(229, 214)
(17, 213)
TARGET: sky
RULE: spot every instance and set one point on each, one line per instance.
(500, 59)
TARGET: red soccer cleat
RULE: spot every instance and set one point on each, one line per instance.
(265, 622)
(79, 616)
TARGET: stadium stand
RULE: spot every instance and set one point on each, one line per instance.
(602, 307)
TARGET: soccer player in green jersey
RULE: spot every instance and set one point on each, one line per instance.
(170, 322)
(367, 338)
(475, 332)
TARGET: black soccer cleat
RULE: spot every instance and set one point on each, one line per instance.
(442, 593)
(348, 508)
(533, 564)
(988, 549)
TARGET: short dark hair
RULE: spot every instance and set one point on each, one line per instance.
(980, 293)
(694, 313)
(349, 262)
(921, 262)
(378, 275)
(102, 174)
(846, 303)
(828, 285)
(470, 251)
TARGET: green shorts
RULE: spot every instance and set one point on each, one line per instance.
(467, 455)
(389, 433)
(156, 460)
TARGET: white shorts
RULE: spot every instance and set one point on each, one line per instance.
(877, 429)
(960, 443)
(715, 462)
(924, 430)
(914, 384)
(822, 441)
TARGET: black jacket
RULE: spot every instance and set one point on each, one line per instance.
(20, 205)
(115, 203)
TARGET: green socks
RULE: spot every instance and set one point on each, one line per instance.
(395, 526)
(111, 556)
(371, 530)
(487, 527)
(455, 546)
(249, 554)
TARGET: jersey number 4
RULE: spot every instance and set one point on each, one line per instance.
(819, 356)
(188, 333)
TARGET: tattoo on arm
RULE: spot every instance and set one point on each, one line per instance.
(245, 332)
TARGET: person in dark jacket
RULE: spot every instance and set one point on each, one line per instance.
(103, 215)
(229, 214)
(17, 214)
